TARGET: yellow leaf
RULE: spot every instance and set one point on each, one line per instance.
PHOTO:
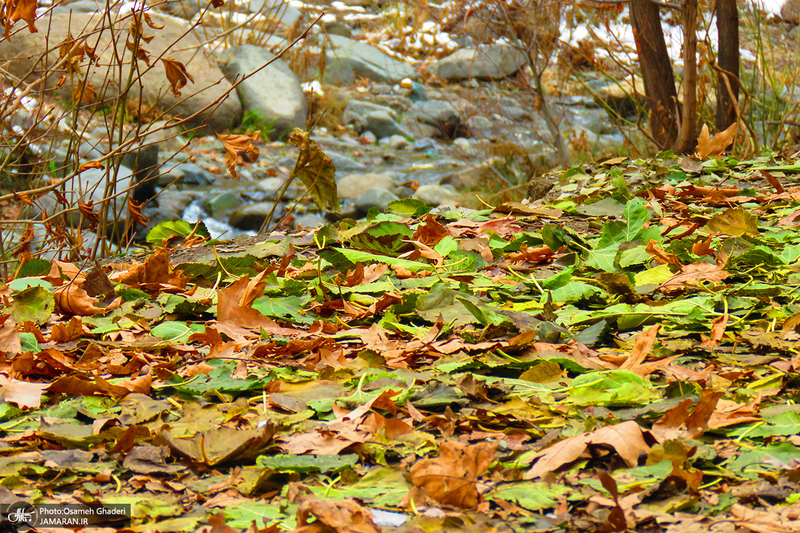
(734, 222)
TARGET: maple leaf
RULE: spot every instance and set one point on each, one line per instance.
(176, 74)
(693, 274)
(239, 149)
(20, 10)
(715, 146)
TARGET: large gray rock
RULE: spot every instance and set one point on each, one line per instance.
(367, 61)
(441, 115)
(274, 92)
(345, 164)
(184, 9)
(209, 100)
(278, 11)
(252, 217)
(494, 62)
(375, 197)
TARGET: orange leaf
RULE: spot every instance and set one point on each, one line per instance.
(452, 478)
(176, 74)
(239, 148)
(715, 146)
(90, 164)
(21, 10)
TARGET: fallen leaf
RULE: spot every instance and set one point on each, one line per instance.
(715, 146)
(23, 394)
(342, 516)
(452, 478)
(627, 439)
(693, 274)
(734, 222)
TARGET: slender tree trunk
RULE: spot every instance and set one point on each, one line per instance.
(659, 81)
(728, 61)
(687, 137)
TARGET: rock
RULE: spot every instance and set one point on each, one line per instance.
(281, 13)
(336, 73)
(480, 126)
(338, 28)
(273, 93)
(81, 6)
(494, 61)
(418, 129)
(309, 221)
(621, 96)
(272, 186)
(356, 109)
(790, 10)
(463, 144)
(367, 61)
(439, 114)
(210, 99)
(398, 142)
(345, 164)
(352, 186)
(421, 145)
(375, 197)
(436, 195)
(185, 9)
(222, 203)
(252, 217)
(187, 174)
(404, 192)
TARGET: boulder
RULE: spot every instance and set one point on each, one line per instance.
(436, 195)
(209, 100)
(281, 13)
(352, 186)
(252, 217)
(496, 61)
(367, 61)
(375, 197)
(441, 115)
(273, 93)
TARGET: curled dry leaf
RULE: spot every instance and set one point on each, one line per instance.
(20, 10)
(316, 170)
(694, 274)
(340, 516)
(715, 146)
(176, 74)
(239, 149)
(72, 299)
(135, 212)
(452, 478)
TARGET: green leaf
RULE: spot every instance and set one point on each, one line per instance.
(305, 464)
(635, 214)
(345, 259)
(612, 387)
(175, 228)
(604, 258)
(284, 307)
(408, 207)
(176, 332)
(34, 304)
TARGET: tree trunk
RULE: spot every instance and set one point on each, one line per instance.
(728, 61)
(687, 137)
(659, 81)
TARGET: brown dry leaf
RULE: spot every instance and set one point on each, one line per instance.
(82, 385)
(88, 212)
(681, 422)
(641, 348)
(135, 212)
(70, 331)
(176, 74)
(23, 394)
(86, 93)
(627, 439)
(316, 170)
(341, 516)
(693, 274)
(452, 478)
(660, 255)
(23, 197)
(734, 222)
(235, 303)
(90, 164)
(718, 326)
(142, 54)
(20, 10)
(239, 149)
(430, 231)
(155, 272)
(715, 146)
(72, 299)
(9, 335)
(774, 520)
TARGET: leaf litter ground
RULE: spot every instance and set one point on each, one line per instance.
(623, 357)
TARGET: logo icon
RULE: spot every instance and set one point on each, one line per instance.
(22, 513)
